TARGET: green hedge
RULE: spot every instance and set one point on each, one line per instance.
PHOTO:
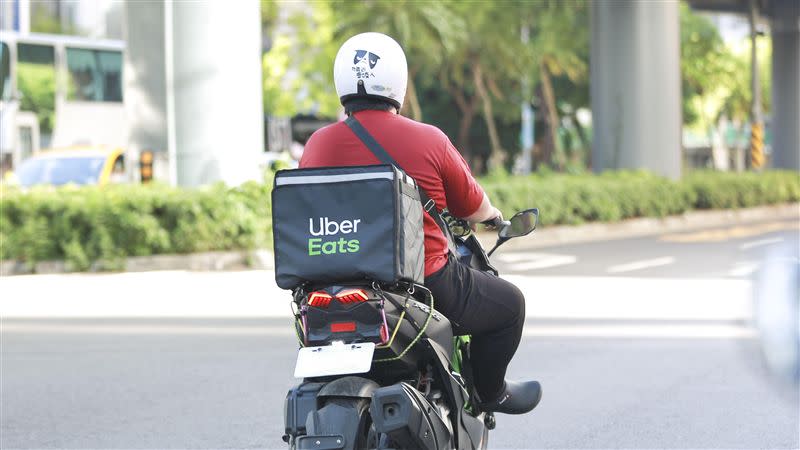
(613, 196)
(102, 226)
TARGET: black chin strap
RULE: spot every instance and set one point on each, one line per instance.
(427, 203)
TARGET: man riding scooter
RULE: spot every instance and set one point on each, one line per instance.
(371, 74)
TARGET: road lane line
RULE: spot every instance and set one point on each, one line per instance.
(760, 243)
(208, 295)
(621, 297)
(524, 261)
(128, 329)
(639, 265)
(517, 257)
(743, 269)
(659, 331)
(727, 233)
(544, 263)
(720, 331)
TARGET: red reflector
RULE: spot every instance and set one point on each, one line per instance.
(352, 296)
(343, 327)
(319, 299)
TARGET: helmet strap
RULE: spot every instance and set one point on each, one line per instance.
(360, 88)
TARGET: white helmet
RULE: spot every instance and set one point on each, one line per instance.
(371, 65)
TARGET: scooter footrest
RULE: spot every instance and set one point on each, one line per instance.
(334, 442)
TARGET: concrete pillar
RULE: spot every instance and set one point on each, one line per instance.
(145, 89)
(193, 87)
(219, 119)
(785, 123)
(635, 86)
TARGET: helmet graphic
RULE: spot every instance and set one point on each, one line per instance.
(371, 65)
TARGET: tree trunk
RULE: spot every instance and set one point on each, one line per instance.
(411, 104)
(585, 145)
(551, 114)
(467, 108)
(497, 154)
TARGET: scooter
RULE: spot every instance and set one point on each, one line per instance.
(381, 368)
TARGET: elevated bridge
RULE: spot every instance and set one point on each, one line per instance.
(635, 81)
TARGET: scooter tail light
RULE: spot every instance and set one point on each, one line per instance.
(343, 327)
(352, 296)
(319, 299)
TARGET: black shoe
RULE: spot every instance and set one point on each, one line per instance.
(518, 397)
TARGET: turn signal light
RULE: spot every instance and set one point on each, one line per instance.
(319, 299)
(352, 296)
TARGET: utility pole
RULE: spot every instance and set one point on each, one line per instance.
(757, 122)
(525, 160)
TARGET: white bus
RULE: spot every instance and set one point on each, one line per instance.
(59, 91)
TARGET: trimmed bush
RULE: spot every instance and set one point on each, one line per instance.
(105, 225)
(575, 199)
(732, 190)
(100, 227)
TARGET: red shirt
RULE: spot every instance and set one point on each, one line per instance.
(423, 151)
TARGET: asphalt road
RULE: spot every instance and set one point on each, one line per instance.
(608, 382)
(733, 252)
(203, 384)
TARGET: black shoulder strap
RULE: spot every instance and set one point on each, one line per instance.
(427, 203)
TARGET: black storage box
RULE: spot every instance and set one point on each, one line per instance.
(337, 224)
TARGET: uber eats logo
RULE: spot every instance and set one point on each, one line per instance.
(329, 246)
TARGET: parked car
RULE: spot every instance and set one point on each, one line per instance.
(76, 165)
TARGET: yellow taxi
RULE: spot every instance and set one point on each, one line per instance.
(97, 166)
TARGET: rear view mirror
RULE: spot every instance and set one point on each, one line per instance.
(523, 222)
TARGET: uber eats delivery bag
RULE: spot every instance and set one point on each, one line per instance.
(336, 224)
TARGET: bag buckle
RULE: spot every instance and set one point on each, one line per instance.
(429, 205)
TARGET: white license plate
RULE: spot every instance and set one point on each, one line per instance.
(334, 359)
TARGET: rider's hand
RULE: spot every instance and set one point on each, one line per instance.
(498, 214)
(494, 222)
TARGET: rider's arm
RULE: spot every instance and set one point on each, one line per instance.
(465, 197)
(485, 212)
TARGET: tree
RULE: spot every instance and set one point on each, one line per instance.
(486, 67)
(560, 44)
(45, 21)
(705, 63)
(298, 68)
(300, 64)
(467, 57)
(737, 94)
(37, 83)
(716, 77)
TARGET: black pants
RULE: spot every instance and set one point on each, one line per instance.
(491, 309)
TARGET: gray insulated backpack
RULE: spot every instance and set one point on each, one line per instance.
(340, 224)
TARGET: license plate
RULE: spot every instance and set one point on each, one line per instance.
(334, 359)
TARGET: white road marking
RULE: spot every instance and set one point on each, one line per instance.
(760, 243)
(716, 299)
(639, 265)
(554, 261)
(253, 294)
(743, 269)
(666, 331)
(521, 262)
(681, 331)
(131, 329)
(520, 256)
(727, 233)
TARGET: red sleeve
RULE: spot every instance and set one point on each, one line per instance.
(464, 195)
(309, 150)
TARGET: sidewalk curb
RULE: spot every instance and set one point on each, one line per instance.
(543, 237)
(206, 261)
